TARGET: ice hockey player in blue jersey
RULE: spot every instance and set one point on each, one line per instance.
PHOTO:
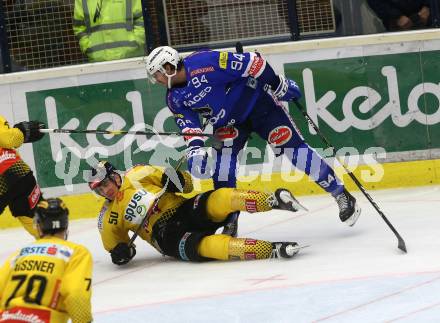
(239, 93)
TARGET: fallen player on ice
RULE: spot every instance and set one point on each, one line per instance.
(177, 226)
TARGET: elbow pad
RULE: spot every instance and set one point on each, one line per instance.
(268, 76)
(283, 89)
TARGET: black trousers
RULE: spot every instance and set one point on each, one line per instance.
(180, 236)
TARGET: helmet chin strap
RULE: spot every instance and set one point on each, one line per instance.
(169, 76)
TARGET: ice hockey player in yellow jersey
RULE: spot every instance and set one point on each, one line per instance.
(18, 188)
(49, 280)
(179, 227)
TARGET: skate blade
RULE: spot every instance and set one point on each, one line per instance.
(299, 247)
(299, 206)
(296, 249)
(353, 219)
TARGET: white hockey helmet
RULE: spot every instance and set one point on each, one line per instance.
(155, 61)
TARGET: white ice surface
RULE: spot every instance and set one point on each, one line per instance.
(346, 275)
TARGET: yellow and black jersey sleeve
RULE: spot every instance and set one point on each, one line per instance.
(144, 175)
(188, 186)
(10, 138)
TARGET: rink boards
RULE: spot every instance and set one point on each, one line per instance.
(376, 98)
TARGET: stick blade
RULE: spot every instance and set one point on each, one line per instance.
(402, 245)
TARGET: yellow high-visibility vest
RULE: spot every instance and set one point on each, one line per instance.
(109, 29)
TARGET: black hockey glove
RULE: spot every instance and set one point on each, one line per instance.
(31, 130)
(176, 182)
(122, 253)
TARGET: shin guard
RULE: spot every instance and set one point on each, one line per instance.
(223, 247)
(248, 249)
(223, 201)
(250, 201)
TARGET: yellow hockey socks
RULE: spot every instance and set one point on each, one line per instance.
(223, 247)
(223, 201)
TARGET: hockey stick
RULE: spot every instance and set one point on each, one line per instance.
(125, 132)
(154, 205)
(158, 196)
(401, 243)
(239, 47)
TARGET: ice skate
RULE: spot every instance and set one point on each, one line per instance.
(282, 199)
(349, 210)
(284, 249)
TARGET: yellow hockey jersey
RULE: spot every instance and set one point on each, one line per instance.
(140, 187)
(47, 281)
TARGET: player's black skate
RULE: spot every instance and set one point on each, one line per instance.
(282, 199)
(349, 210)
(284, 249)
(231, 226)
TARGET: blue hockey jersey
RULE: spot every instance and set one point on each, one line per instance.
(221, 86)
